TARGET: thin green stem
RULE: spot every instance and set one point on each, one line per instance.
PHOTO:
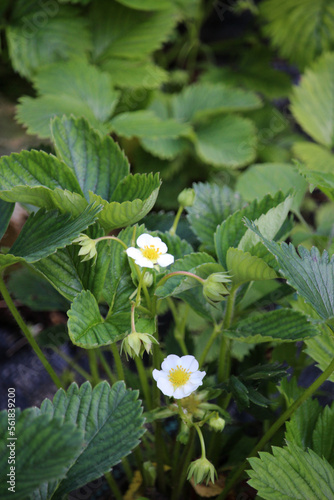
(215, 332)
(106, 367)
(127, 469)
(224, 362)
(113, 486)
(176, 220)
(140, 275)
(274, 428)
(72, 364)
(93, 366)
(111, 238)
(180, 326)
(201, 438)
(118, 362)
(144, 381)
(185, 461)
(179, 273)
(19, 320)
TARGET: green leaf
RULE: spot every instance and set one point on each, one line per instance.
(213, 204)
(98, 163)
(41, 38)
(45, 232)
(126, 33)
(205, 99)
(291, 473)
(147, 124)
(312, 101)
(310, 273)
(146, 4)
(230, 232)
(300, 428)
(35, 436)
(323, 434)
(37, 178)
(244, 267)
(112, 423)
(69, 276)
(299, 29)
(139, 191)
(226, 141)
(165, 148)
(282, 325)
(268, 224)
(88, 329)
(6, 210)
(33, 291)
(71, 87)
(189, 263)
(321, 349)
(263, 178)
(137, 73)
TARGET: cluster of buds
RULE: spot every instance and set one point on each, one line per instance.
(214, 289)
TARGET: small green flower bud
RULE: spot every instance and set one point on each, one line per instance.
(201, 470)
(214, 289)
(151, 472)
(148, 279)
(88, 247)
(135, 344)
(216, 423)
(187, 197)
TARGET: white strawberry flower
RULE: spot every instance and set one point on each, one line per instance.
(178, 377)
(151, 251)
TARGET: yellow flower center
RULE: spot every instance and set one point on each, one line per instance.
(178, 376)
(150, 252)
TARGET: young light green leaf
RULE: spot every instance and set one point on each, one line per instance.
(230, 232)
(321, 349)
(310, 273)
(269, 224)
(53, 37)
(111, 421)
(213, 204)
(205, 99)
(146, 124)
(226, 141)
(136, 73)
(138, 192)
(244, 267)
(34, 463)
(313, 100)
(98, 163)
(291, 472)
(45, 232)
(299, 29)
(282, 325)
(6, 210)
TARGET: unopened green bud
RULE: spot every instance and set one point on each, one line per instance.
(88, 247)
(148, 279)
(151, 472)
(187, 197)
(136, 343)
(201, 470)
(214, 289)
(216, 423)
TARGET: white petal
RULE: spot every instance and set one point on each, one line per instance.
(133, 252)
(189, 363)
(170, 362)
(165, 386)
(179, 393)
(197, 377)
(165, 260)
(145, 240)
(143, 261)
(156, 374)
(160, 245)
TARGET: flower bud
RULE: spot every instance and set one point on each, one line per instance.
(216, 423)
(187, 197)
(214, 289)
(135, 344)
(201, 470)
(88, 247)
(151, 472)
(148, 279)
